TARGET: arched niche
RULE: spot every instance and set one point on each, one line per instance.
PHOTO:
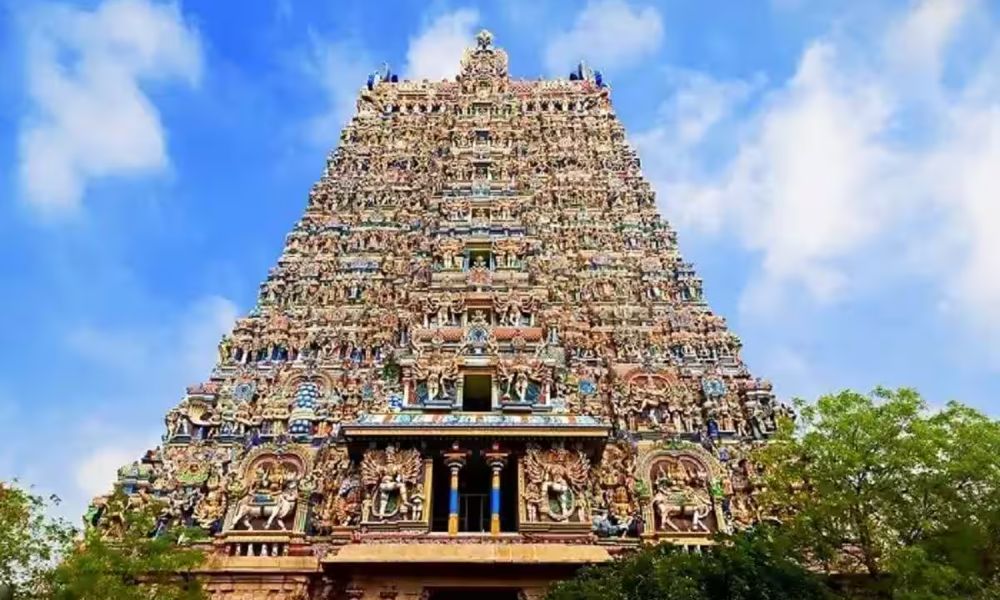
(683, 492)
(271, 491)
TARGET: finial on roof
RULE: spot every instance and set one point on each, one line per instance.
(583, 72)
(484, 39)
(384, 74)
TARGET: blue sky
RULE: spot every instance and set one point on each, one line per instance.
(832, 169)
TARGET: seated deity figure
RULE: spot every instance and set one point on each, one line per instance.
(272, 494)
(678, 493)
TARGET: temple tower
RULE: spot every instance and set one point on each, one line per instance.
(479, 363)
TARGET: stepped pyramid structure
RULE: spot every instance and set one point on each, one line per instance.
(479, 363)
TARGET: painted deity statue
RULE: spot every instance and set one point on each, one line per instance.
(559, 478)
(391, 477)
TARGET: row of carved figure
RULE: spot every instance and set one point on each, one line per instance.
(607, 326)
(630, 490)
(304, 401)
(345, 325)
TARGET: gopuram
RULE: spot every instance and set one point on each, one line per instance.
(479, 364)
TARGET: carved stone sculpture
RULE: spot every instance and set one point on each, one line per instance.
(392, 479)
(559, 480)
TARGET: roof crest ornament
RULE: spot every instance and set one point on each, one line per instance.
(484, 39)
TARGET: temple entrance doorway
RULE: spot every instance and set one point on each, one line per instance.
(475, 485)
(474, 594)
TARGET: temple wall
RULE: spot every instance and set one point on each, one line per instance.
(259, 578)
(421, 587)
(259, 587)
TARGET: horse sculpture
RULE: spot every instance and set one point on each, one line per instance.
(282, 506)
(677, 502)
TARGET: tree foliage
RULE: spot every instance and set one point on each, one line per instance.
(129, 564)
(875, 493)
(121, 560)
(751, 565)
(30, 541)
(876, 483)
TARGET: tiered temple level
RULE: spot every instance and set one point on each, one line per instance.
(480, 345)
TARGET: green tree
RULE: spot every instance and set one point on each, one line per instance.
(122, 559)
(30, 541)
(42, 557)
(752, 565)
(877, 483)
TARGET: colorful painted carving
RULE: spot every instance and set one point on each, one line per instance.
(480, 264)
(393, 481)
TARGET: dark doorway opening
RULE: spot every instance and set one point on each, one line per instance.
(474, 594)
(477, 393)
(440, 491)
(475, 485)
(508, 495)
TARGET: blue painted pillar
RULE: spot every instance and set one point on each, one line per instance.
(495, 500)
(453, 501)
(497, 459)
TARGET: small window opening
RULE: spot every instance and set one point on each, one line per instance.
(481, 259)
(477, 393)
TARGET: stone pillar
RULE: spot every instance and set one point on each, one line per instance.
(495, 500)
(455, 458)
(497, 459)
(453, 499)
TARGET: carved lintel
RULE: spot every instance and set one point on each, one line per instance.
(388, 593)
(354, 592)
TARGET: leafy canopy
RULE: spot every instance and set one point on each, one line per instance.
(41, 557)
(879, 484)
(751, 565)
(30, 541)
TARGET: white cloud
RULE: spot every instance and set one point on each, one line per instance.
(798, 376)
(183, 348)
(608, 34)
(201, 329)
(140, 371)
(89, 116)
(700, 103)
(435, 53)
(341, 69)
(96, 472)
(805, 188)
(697, 105)
(918, 40)
(104, 449)
(866, 163)
(962, 176)
(151, 361)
